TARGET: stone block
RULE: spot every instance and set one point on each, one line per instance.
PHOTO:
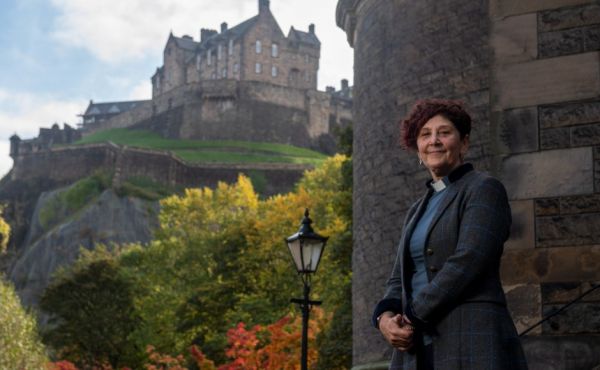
(597, 169)
(547, 174)
(568, 230)
(524, 303)
(575, 352)
(519, 130)
(579, 318)
(554, 293)
(514, 39)
(547, 206)
(580, 204)
(504, 8)
(585, 135)
(546, 81)
(569, 17)
(555, 138)
(523, 225)
(591, 38)
(569, 114)
(553, 44)
(540, 265)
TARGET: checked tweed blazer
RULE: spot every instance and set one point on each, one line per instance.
(463, 305)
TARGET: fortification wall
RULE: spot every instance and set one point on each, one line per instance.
(530, 74)
(236, 110)
(66, 165)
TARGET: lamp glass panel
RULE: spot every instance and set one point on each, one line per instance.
(296, 253)
(312, 253)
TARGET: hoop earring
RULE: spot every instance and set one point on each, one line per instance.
(420, 161)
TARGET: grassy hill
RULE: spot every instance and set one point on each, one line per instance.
(196, 151)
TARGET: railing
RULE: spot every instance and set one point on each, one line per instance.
(594, 287)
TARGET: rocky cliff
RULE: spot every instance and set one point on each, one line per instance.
(61, 224)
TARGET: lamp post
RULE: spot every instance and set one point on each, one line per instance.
(306, 248)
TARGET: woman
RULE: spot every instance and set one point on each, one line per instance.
(444, 306)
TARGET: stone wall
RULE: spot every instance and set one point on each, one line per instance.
(62, 166)
(238, 110)
(529, 72)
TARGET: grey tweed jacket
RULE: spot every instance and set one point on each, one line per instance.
(463, 306)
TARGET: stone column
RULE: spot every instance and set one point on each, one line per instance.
(529, 72)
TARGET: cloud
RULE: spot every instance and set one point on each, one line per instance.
(141, 91)
(117, 31)
(24, 114)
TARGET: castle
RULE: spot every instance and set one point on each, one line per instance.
(249, 82)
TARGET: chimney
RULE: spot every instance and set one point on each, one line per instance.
(205, 33)
(329, 89)
(263, 5)
(344, 84)
(223, 27)
(311, 28)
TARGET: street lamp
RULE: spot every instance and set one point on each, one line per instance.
(306, 248)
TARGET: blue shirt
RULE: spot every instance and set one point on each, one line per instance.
(417, 246)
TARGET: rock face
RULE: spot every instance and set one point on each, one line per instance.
(106, 219)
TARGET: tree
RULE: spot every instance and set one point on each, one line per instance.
(20, 347)
(92, 313)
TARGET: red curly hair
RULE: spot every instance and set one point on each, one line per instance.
(424, 110)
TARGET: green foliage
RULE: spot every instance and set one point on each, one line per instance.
(92, 312)
(74, 198)
(4, 233)
(20, 347)
(145, 188)
(217, 259)
(196, 151)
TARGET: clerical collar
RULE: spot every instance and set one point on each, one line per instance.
(454, 176)
(438, 185)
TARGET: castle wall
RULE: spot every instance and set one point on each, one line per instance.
(236, 110)
(529, 72)
(65, 165)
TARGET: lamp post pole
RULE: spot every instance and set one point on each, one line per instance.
(306, 248)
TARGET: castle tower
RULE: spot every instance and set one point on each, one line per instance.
(15, 142)
(534, 93)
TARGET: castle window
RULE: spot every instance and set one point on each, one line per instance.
(224, 73)
(236, 68)
(230, 49)
(258, 47)
(274, 50)
(198, 61)
(274, 71)
(208, 57)
(257, 68)
(213, 76)
(219, 52)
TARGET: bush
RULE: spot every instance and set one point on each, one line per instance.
(20, 347)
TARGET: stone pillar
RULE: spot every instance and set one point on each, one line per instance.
(529, 72)
(403, 51)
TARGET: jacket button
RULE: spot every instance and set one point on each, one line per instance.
(429, 251)
(433, 269)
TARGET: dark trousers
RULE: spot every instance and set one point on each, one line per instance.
(425, 357)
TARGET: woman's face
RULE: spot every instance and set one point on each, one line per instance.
(440, 147)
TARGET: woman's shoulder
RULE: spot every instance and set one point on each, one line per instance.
(481, 181)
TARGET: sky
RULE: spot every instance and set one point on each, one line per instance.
(57, 55)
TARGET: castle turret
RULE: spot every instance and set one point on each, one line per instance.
(15, 141)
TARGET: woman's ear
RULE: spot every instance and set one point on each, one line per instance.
(465, 144)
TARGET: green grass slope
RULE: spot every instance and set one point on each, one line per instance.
(195, 151)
